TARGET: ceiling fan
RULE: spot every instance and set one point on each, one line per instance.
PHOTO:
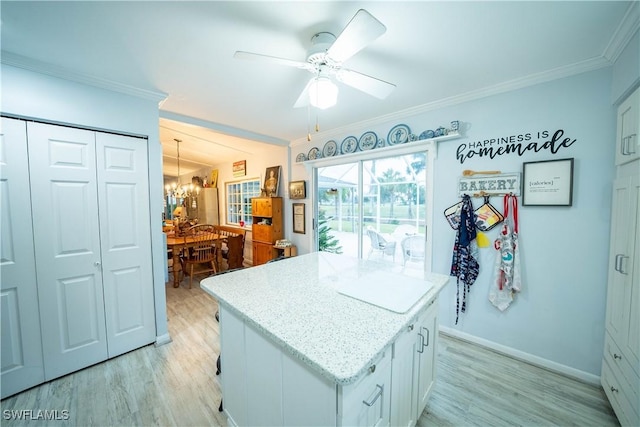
(325, 58)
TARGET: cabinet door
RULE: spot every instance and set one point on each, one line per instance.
(404, 381)
(367, 402)
(22, 365)
(623, 293)
(261, 206)
(427, 345)
(67, 243)
(628, 147)
(263, 252)
(125, 239)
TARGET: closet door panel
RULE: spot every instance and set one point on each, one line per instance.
(123, 193)
(21, 349)
(67, 243)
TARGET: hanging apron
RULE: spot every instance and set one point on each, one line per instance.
(506, 274)
(463, 265)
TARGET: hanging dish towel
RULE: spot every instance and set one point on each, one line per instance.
(506, 281)
(463, 265)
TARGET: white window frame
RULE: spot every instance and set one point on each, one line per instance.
(238, 195)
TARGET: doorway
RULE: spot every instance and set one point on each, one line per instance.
(375, 209)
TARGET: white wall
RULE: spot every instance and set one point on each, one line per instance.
(40, 96)
(559, 316)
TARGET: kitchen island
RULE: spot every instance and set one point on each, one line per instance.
(297, 351)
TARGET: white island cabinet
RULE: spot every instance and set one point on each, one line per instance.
(296, 351)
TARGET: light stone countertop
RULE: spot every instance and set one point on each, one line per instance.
(295, 303)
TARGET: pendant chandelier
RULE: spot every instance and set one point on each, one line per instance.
(179, 191)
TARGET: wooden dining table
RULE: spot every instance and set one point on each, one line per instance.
(179, 243)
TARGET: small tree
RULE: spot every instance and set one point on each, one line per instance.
(326, 241)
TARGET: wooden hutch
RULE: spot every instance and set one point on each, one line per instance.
(266, 228)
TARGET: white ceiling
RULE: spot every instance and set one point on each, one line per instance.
(435, 52)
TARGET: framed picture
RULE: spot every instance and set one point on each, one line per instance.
(298, 218)
(239, 168)
(547, 183)
(298, 190)
(272, 181)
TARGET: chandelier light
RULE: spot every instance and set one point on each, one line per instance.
(179, 191)
(323, 93)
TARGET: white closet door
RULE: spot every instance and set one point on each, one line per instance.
(123, 193)
(67, 242)
(21, 357)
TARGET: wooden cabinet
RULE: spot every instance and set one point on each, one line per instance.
(627, 145)
(266, 227)
(426, 360)
(621, 360)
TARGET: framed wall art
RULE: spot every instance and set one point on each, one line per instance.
(298, 218)
(272, 180)
(547, 183)
(298, 190)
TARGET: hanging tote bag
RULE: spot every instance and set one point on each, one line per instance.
(506, 275)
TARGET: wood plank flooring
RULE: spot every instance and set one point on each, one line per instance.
(175, 384)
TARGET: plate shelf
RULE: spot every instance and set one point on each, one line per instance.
(383, 151)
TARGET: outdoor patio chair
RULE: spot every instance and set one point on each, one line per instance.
(413, 248)
(380, 244)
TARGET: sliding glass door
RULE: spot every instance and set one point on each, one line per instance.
(374, 209)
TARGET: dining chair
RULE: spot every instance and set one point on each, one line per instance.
(202, 243)
(380, 244)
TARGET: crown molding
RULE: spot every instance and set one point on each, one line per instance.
(625, 31)
(519, 83)
(29, 64)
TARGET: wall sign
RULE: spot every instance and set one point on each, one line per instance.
(514, 144)
(494, 185)
(548, 183)
(240, 168)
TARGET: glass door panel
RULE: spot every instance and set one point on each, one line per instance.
(375, 209)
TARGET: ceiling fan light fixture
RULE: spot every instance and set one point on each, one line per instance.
(323, 93)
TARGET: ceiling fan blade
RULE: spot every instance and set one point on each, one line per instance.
(303, 99)
(273, 59)
(359, 32)
(367, 84)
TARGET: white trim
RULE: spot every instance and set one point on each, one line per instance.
(625, 31)
(525, 357)
(25, 63)
(163, 339)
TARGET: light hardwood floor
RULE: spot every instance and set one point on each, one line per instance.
(175, 384)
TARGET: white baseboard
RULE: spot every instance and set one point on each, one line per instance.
(162, 340)
(525, 357)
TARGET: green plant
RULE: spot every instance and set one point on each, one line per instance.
(326, 241)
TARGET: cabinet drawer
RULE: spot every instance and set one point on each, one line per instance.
(262, 233)
(261, 207)
(618, 362)
(620, 397)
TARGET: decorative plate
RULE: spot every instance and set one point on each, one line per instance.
(314, 153)
(399, 134)
(330, 149)
(349, 145)
(368, 141)
(301, 157)
(427, 134)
